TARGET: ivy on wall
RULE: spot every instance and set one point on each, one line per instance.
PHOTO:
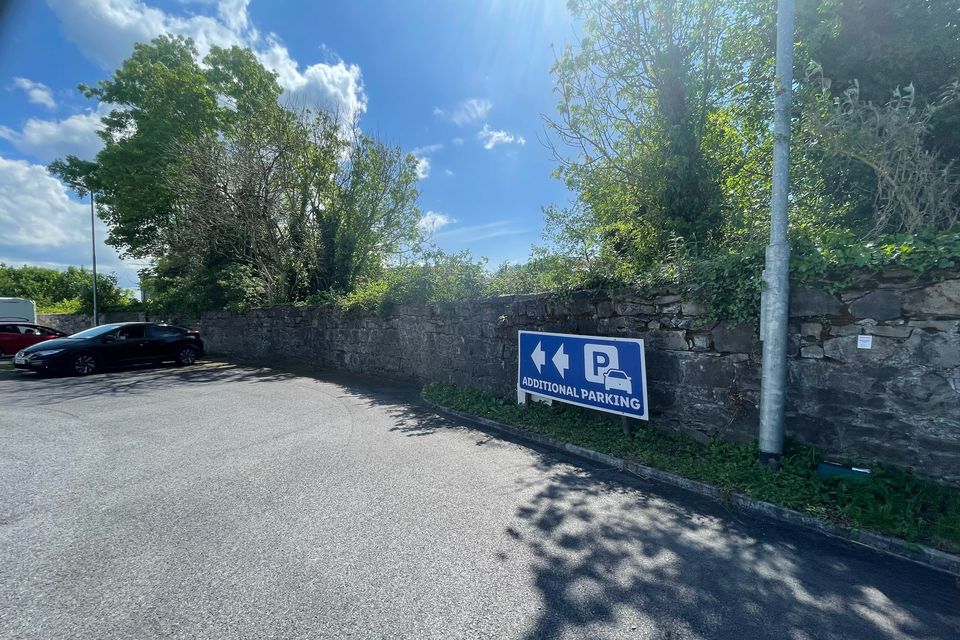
(730, 283)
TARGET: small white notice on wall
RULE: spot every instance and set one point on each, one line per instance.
(864, 342)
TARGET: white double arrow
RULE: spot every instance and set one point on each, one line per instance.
(560, 359)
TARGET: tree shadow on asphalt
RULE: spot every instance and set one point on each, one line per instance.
(27, 388)
(673, 565)
(617, 551)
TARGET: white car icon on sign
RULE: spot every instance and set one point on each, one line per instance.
(617, 379)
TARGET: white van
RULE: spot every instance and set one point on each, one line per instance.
(18, 310)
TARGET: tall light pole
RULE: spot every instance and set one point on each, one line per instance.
(79, 175)
(776, 275)
(93, 247)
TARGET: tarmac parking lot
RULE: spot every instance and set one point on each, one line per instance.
(227, 501)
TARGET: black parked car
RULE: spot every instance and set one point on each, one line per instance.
(111, 345)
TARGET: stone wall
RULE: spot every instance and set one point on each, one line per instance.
(74, 322)
(896, 402)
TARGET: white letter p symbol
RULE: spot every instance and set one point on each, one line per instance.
(598, 359)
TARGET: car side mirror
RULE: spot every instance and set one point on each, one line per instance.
(108, 339)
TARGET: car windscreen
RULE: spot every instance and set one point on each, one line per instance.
(95, 331)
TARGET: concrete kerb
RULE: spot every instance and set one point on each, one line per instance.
(920, 554)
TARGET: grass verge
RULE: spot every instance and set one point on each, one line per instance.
(891, 501)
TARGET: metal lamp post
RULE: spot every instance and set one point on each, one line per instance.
(93, 248)
(776, 276)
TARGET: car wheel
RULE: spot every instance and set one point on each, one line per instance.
(186, 355)
(84, 364)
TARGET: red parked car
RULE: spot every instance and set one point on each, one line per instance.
(15, 336)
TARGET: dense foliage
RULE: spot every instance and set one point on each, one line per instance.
(238, 200)
(884, 44)
(67, 291)
(643, 105)
(891, 501)
(664, 136)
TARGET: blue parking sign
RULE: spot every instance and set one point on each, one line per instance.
(608, 374)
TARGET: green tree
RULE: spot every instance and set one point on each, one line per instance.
(877, 48)
(49, 288)
(636, 102)
(163, 97)
(285, 207)
(237, 200)
(914, 188)
(372, 218)
(885, 44)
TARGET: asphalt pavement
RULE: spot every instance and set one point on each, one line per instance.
(224, 501)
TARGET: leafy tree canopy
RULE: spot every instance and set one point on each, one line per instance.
(50, 289)
(162, 96)
(238, 200)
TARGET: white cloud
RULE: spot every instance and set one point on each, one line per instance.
(49, 139)
(234, 14)
(337, 87)
(470, 110)
(478, 232)
(422, 154)
(106, 30)
(426, 149)
(34, 208)
(434, 220)
(448, 172)
(491, 138)
(457, 142)
(423, 168)
(43, 226)
(37, 92)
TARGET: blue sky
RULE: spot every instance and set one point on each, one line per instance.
(461, 83)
